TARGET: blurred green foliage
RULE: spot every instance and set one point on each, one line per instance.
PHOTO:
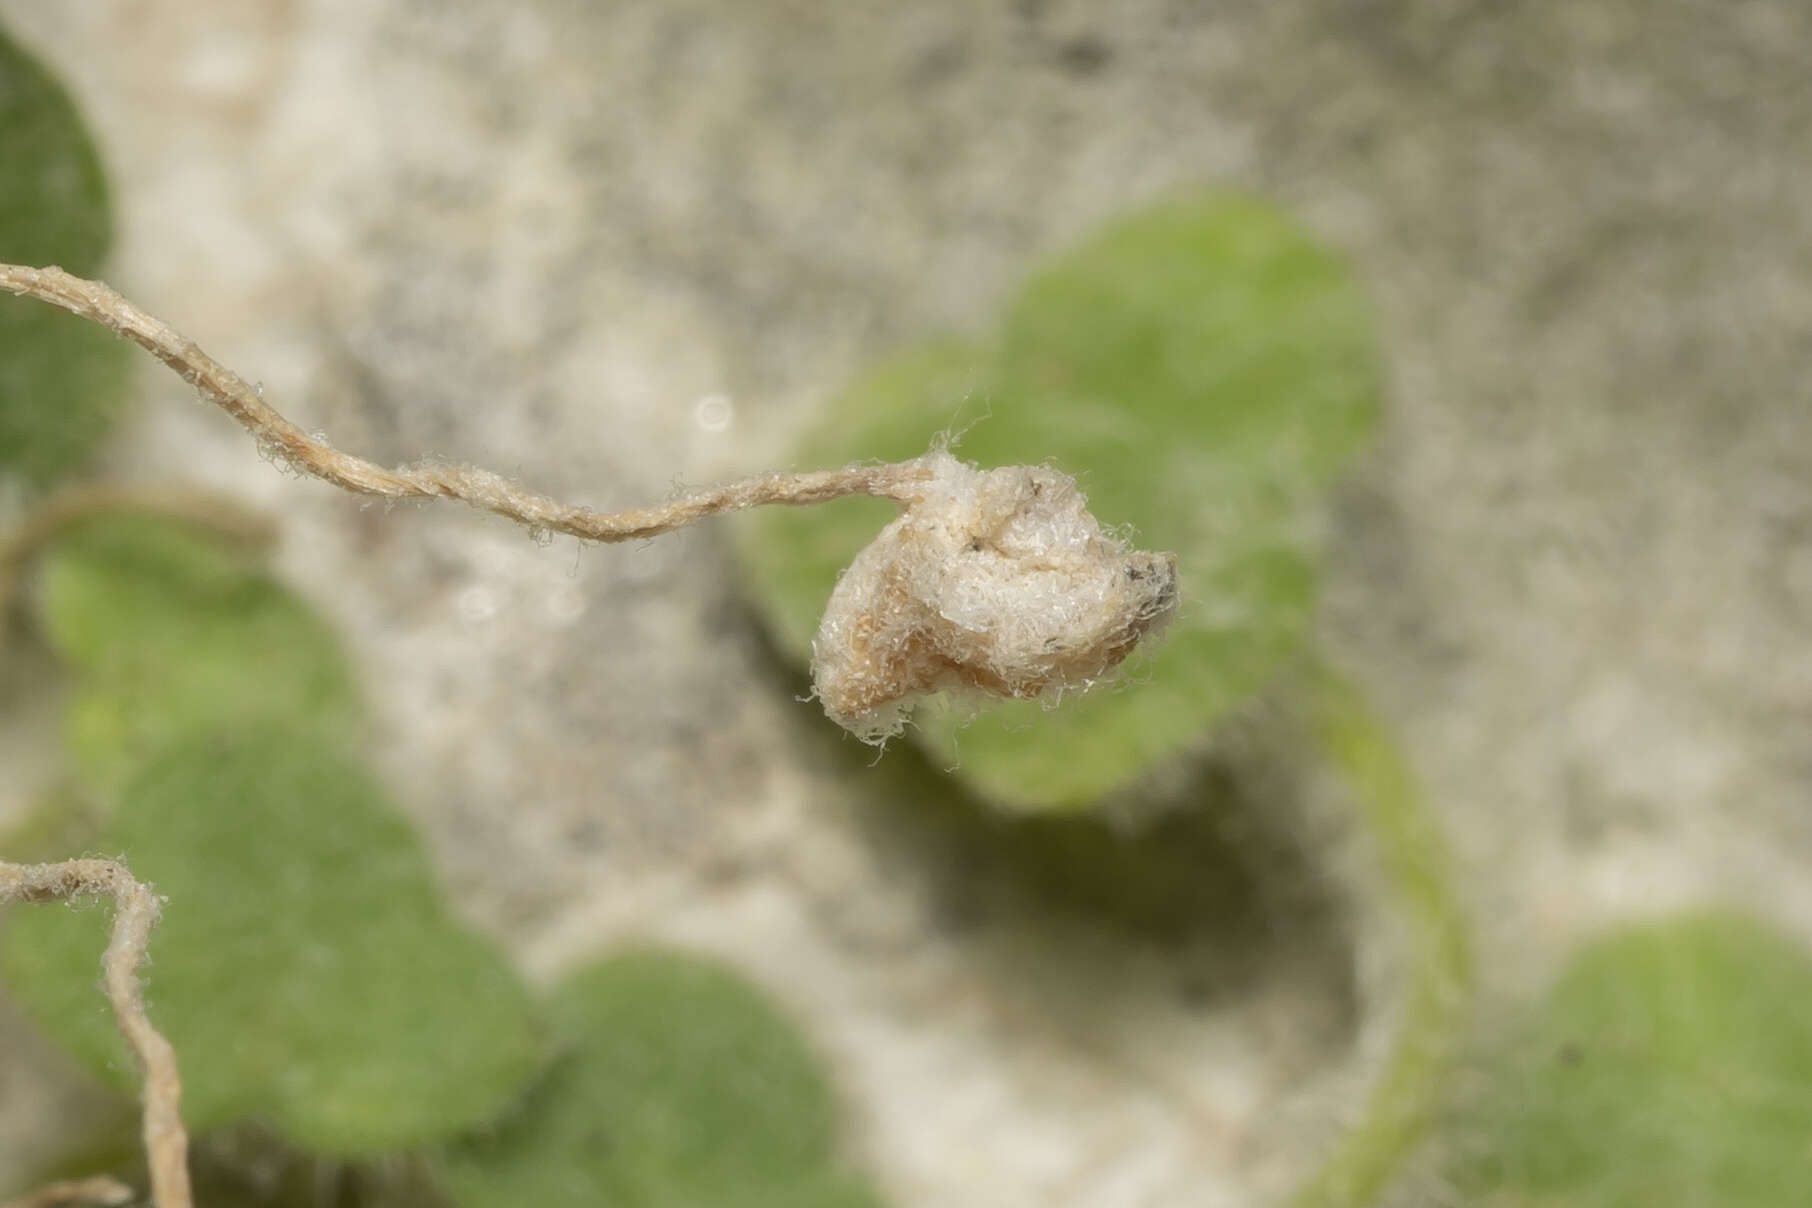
(170, 634)
(1205, 369)
(679, 1085)
(306, 969)
(1670, 1068)
(61, 378)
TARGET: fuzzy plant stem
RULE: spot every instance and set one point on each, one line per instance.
(284, 441)
(1407, 1095)
(134, 912)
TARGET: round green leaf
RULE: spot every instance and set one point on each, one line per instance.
(680, 1085)
(1204, 369)
(1672, 1066)
(305, 968)
(61, 378)
(171, 633)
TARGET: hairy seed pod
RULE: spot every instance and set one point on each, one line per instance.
(995, 580)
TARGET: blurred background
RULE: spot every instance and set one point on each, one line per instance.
(608, 247)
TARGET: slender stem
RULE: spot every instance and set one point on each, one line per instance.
(135, 910)
(71, 1192)
(480, 488)
(208, 510)
(1404, 1100)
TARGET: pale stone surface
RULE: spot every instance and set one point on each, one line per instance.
(602, 246)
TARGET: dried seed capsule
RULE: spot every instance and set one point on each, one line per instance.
(996, 580)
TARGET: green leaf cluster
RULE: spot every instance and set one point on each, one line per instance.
(306, 969)
(1205, 369)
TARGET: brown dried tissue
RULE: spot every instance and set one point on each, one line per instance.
(995, 580)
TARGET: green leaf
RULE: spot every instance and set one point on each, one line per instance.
(681, 1085)
(1671, 1068)
(305, 968)
(61, 378)
(172, 633)
(1205, 369)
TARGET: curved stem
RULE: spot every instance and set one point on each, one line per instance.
(207, 510)
(480, 488)
(1407, 1094)
(135, 910)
